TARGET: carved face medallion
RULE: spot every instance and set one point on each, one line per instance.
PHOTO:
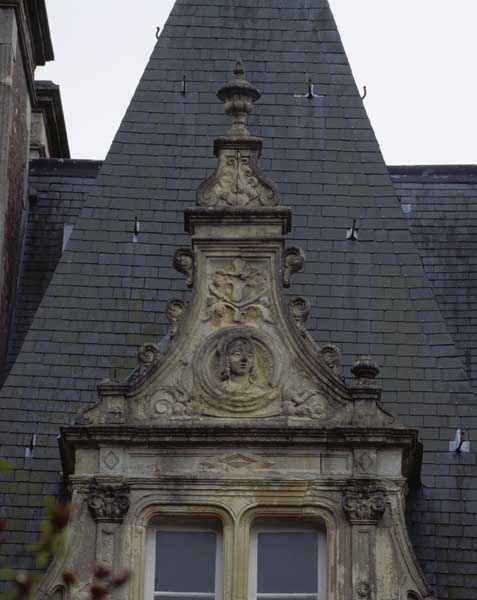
(236, 371)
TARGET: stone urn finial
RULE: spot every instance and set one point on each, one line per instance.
(365, 370)
(238, 95)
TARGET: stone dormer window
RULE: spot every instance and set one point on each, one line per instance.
(238, 462)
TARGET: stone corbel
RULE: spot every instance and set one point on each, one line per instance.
(364, 504)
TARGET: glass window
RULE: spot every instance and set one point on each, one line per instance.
(183, 564)
(287, 564)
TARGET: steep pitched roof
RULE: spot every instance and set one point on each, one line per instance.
(58, 189)
(108, 294)
(440, 204)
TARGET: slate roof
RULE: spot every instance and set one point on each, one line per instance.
(57, 190)
(372, 296)
(440, 203)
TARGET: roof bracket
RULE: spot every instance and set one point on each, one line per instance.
(310, 94)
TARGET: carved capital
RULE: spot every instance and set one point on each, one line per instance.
(364, 502)
(293, 261)
(108, 503)
(184, 263)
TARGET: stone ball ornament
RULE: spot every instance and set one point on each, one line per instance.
(237, 373)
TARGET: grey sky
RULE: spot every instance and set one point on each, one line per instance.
(416, 58)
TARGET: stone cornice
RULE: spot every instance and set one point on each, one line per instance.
(49, 103)
(281, 433)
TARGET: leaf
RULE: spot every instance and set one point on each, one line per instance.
(4, 465)
(42, 559)
(7, 574)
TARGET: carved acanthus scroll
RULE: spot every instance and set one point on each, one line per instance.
(364, 502)
(300, 311)
(184, 263)
(108, 503)
(293, 262)
(148, 356)
(175, 313)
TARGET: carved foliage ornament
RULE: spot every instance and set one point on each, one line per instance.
(148, 356)
(175, 313)
(300, 311)
(239, 288)
(184, 263)
(237, 183)
(108, 503)
(293, 261)
(364, 502)
(363, 589)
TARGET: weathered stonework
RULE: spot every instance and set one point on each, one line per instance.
(108, 503)
(242, 416)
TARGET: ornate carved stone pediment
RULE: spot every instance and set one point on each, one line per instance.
(239, 348)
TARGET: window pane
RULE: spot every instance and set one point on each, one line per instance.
(287, 562)
(185, 561)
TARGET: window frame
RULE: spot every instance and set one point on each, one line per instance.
(282, 527)
(205, 526)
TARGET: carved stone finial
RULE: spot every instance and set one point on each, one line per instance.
(365, 370)
(293, 261)
(237, 183)
(184, 263)
(238, 96)
(108, 503)
(364, 502)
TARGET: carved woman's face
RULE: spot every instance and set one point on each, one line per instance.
(241, 357)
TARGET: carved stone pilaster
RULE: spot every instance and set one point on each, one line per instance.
(108, 503)
(364, 502)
